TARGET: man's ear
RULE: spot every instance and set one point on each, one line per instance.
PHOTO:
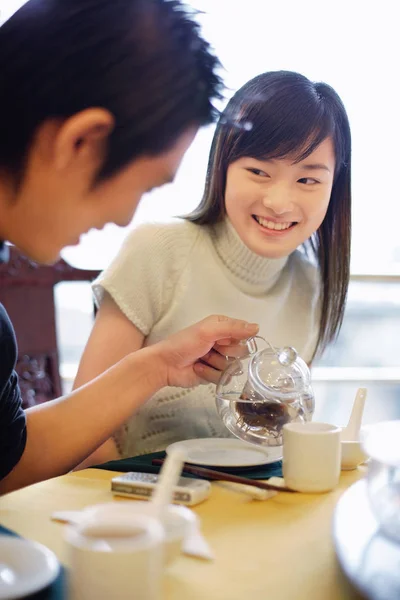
(82, 138)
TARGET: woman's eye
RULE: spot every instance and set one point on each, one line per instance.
(308, 181)
(258, 172)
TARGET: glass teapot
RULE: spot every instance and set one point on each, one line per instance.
(264, 389)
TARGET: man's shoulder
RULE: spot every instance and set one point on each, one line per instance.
(8, 347)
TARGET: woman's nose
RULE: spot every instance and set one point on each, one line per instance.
(278, 201)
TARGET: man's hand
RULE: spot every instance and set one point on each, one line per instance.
(195, 354)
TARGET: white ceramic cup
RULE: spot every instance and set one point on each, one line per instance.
(311, 456)
(178, 521)
(115, 557)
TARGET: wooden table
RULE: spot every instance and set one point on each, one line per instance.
(280, 548)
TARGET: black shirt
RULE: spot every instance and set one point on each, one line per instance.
(12, 416)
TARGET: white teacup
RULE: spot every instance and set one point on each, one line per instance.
(113, 557)
(178, 521)
(311, 456)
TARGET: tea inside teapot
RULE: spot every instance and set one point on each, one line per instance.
(267, 415)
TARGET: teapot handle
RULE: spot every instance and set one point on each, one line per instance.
(251, 344)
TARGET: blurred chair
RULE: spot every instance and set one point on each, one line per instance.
(27, 293)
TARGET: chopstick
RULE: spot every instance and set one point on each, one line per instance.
(219, 476)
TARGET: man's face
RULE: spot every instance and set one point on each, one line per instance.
(55, 206)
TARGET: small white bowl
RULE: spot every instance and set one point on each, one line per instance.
(353, 455)
(178, 521)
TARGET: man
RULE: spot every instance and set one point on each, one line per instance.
(99, 100)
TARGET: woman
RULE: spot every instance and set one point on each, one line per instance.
(278, 183)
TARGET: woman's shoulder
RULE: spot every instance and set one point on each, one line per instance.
(166, 240)
(305, 270)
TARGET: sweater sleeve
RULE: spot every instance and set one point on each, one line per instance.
(143, 276)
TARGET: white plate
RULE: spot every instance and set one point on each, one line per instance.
(25, 567)
(226, 452)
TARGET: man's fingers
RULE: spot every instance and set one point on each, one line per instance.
(206, 373)
(232, 349)
(224, 329)
(216, 360)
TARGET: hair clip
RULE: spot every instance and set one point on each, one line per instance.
(241, 125)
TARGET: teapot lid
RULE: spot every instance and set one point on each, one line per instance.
(279, 372)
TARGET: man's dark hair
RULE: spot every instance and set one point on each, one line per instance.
(143, 60)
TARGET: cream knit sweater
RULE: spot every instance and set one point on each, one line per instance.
(167, 277)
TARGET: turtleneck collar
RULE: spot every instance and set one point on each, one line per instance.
(253, 274)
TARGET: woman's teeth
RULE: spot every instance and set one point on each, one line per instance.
(271, 224)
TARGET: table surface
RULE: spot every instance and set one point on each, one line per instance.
(281, 547)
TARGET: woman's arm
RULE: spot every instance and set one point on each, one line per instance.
(112, 338)
(63, 432)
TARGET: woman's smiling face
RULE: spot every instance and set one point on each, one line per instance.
(276, 205)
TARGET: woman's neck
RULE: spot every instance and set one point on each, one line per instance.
(252, 273)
